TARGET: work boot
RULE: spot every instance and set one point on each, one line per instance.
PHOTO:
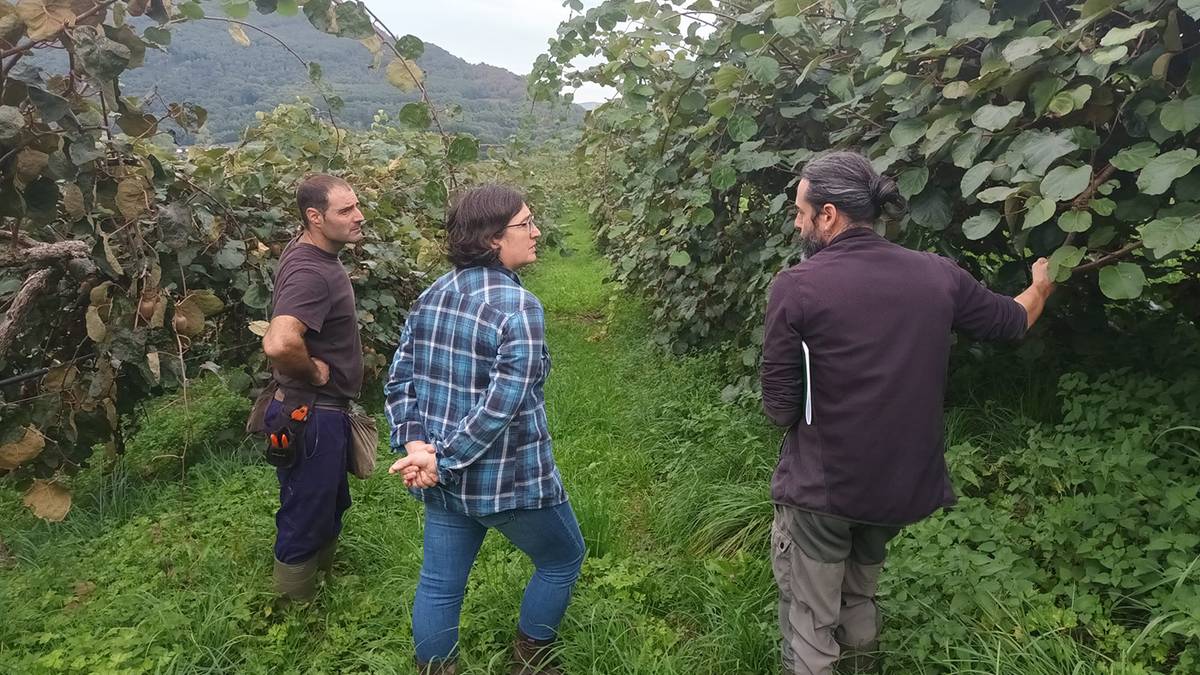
(532, 657)
(296, 581)
(437, 668)
(325, 557)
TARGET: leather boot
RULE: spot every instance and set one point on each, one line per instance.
(532, 657)
(437, 668)
(296, 581)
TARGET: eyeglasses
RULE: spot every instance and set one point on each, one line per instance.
(528, 224)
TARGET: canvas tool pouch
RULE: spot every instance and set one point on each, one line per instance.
(364, 443)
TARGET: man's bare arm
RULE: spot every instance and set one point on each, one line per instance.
(284, 346)
(1033, 299)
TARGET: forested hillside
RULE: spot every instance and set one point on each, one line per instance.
(204, 65)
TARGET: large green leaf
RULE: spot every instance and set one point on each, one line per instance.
(726, 76)
(723, 177)
(742, 127)
(1037, 150)
(192, 10)
(932, 208)
(416, 115)
(1026, 46)
(974, 178)
(464, 149)
(353, 21)
(967, 148)
(1167, 235)
(907, 132)
(1117, 36)
(1123, 281)
(995, 118)
(1075, 221)
(410, 47)
(764, 69)
(977, 24)
(1181, 115)
(1110, 55)
(957, 89)
(320, 15)
(919, 10)
(1037, 211)
(692, 101)
(1063, 259)
(1160, 172)
(1043, 91)
(1065, 182)
(232, 255)
(996, 194)
(1135, 157)
(912, 181)
(788, 26)
(981, 225)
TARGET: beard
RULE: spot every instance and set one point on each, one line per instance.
(810, 245)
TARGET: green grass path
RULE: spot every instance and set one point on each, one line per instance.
(149, 574)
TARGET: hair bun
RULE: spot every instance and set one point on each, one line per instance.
(884, 193)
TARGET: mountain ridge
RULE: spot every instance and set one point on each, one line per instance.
(204, 65)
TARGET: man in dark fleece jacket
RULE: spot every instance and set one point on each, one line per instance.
(855, 356)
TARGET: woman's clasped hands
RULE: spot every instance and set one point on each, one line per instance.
(419, 466)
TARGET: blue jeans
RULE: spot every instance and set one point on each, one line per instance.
(551, 539)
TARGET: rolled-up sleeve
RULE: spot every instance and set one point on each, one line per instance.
(782, 372)
(983, 314)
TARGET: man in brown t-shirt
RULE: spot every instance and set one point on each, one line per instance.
(314, 346)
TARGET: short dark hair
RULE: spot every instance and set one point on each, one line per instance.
(848, 181)
(477, 218)
(313, 193)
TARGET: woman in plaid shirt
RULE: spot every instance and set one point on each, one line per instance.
(465, 403)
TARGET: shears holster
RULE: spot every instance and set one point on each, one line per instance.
(285, 433)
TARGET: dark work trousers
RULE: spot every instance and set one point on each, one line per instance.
(315, 491)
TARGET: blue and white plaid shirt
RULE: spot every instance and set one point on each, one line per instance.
(468, 378)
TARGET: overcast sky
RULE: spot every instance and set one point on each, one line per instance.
(505, 33)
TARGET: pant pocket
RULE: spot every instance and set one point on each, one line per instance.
(781, 550)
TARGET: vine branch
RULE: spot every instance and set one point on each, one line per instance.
(1110, 258)
(14, 319)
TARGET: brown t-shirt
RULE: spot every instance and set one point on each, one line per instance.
(312, 286)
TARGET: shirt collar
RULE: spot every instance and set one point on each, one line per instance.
(857, 232)
(507, 272)
(498, 269)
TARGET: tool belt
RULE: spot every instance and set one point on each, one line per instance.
(285, 436)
